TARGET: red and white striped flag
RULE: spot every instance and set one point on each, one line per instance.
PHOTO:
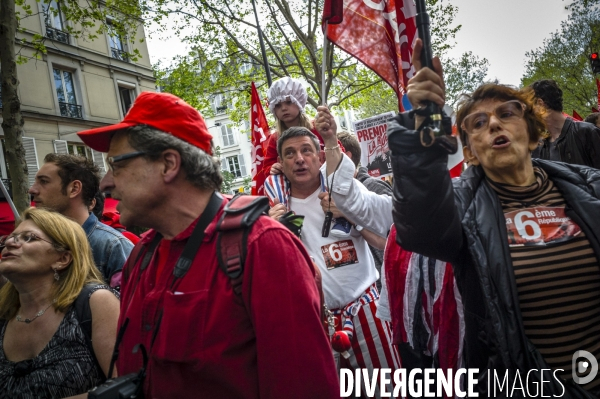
(426, 307)
(260, 132)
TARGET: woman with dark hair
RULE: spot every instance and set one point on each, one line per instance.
(46, 349)
(522, 235)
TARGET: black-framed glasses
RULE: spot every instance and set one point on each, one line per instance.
(24, 236)
(123, 157)
(478, 122)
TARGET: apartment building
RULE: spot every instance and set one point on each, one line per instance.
(79, 84)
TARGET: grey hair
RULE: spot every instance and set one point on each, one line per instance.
(201, 169)
(297, 131)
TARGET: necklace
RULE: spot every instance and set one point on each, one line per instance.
(38, 314)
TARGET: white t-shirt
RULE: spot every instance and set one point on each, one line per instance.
(351, 267)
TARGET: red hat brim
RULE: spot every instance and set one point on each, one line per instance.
(99, 139)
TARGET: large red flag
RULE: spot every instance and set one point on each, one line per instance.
(333, 11)
(381, 35)
(576, 116)
(260, 132)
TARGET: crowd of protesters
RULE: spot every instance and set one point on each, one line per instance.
(497, 270)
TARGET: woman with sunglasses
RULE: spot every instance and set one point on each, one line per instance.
(522, 234)
(44, 350)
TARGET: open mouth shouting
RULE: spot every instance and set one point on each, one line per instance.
(500, 142)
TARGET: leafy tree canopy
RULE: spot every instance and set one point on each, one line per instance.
(564, 57)
(227, 56)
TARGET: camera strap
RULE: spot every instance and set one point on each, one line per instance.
(181, 267)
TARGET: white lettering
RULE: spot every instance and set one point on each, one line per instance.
(346, 386)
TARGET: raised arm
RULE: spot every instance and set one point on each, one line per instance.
(425, 214)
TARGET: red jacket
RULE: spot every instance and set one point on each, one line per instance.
(212, 343)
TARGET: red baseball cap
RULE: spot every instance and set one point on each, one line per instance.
(162, 111)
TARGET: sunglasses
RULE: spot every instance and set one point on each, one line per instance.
(479, 122)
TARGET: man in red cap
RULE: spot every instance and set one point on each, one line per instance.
(203, 339)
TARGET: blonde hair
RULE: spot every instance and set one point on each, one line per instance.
(304, 122)
(67, 236)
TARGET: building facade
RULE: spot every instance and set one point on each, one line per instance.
(77, 85)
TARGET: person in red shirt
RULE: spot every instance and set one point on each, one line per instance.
(203, 339)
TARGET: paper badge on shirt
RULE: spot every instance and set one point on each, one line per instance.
(339, 253)
(539, 226)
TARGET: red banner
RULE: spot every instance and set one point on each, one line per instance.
(260, 132)
(381, 34)
(576, 116)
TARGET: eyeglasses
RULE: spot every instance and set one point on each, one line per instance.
(478, 122)
(25, 236)
(123, 157)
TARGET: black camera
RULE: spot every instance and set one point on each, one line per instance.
(327, 224)
(123, 387)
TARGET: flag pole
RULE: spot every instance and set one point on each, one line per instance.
(323, 83)
(262, 46)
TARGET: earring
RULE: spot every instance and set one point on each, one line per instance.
(56, 275)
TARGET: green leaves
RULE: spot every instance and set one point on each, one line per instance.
(564, 57)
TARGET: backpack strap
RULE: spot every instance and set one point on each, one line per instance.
(233, 228)
(83, 314)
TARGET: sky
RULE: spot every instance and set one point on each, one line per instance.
(500, 30)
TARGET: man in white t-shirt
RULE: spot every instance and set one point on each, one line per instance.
(346, 264)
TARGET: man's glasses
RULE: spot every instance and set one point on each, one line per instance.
(25, 236)
(478, 122)
(123, 157)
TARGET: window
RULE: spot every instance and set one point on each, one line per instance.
(245, 67)
(235, 165)
(65, 91)
(219, 104)
(117, 43)
(126, 95)
(55, 22)
(227, 135)
(79, 149)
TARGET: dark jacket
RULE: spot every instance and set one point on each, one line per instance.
(578, 143)
(461, 221)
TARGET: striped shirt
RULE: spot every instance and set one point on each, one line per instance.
(557, 274)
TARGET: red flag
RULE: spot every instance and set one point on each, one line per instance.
(594, 110)
(576, 116)
(260, 132)
(381, 35)
(333, 11)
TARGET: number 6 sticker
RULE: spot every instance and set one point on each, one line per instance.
(523, 224)
(339, 253)
(539, 226)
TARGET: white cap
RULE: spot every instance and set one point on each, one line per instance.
(285, 89)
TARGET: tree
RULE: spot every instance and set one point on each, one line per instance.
(230, 59)
(564, 57)
(89, 19)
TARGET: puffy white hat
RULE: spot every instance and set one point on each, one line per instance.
(284, 89)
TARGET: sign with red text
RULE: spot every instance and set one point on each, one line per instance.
(339, 253)
(375, 152)
(539, 226)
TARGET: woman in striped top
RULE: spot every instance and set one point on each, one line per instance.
(522, 234)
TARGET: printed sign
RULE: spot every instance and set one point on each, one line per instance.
(375, 152)
(339, 253)
(539, 226)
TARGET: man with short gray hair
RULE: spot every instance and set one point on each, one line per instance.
(204, 339)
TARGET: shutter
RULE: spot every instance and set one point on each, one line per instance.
(98, 159)
(224, 164)
(242, 165)
(60, 147)
(30, 158)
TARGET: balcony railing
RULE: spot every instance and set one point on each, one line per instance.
(56, 34)
(119, 54)
(70, 110)
(221, 109)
